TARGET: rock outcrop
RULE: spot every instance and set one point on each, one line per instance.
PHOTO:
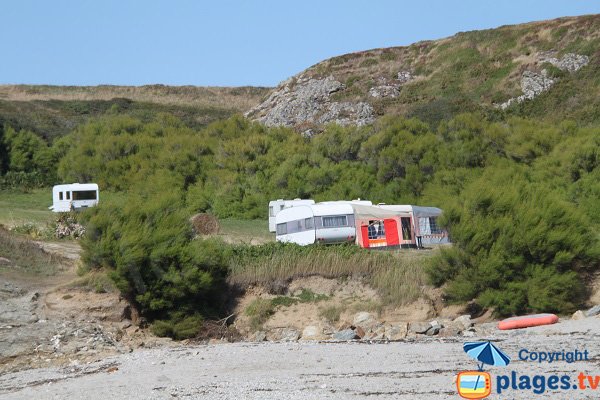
(533, 83)
(304, 100)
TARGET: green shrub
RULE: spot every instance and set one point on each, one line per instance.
(259, 310)
(518, 247)
(178, 328)
(147, 246)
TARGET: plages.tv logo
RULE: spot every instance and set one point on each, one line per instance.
(478, 384)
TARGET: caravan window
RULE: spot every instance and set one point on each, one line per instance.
(308, 223)
(271, 213)
(335, 221)
(282, 229)
(60, 195)
(435, 229)
(84, 195)
(406, 228)
(376, 230)
(68, 195)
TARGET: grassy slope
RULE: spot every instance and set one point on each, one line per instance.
(52, 111)
(471, 71)
(20, 208)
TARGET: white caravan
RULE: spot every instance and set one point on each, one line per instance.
(75, 196)
(277, 205)
(316, 223)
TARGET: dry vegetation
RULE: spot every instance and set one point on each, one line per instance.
(237, 98)
(24, 255)
(397, 276)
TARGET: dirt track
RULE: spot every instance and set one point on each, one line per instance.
(401, 370)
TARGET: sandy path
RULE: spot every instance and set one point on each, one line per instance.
(402, 370)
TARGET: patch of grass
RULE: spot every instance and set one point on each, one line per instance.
(94, 280)
(21, 208)
(259, 310)
(396, 275)
(284, 301)
(27, 256)
(308, 296)
(28, 210)
(246, 230)
(371, 306)
(331, 313)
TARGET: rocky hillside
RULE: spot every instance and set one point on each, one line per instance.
(546, 69)
(52, 111)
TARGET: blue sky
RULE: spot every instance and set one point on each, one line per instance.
(227, 43)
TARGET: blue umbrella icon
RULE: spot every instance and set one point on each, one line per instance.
(486, 353)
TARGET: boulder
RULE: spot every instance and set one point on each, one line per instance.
(360, 332)
(346, 334)
(397, 331)
(259, 336)
(578, 315)
(419, 327)
(283, 335)
(449, 331)
(312, 332)
(593, 311)
(434, 329)
(463, 322)
(365, 320)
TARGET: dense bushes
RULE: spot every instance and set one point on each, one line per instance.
(521, 201)
(146, 244)
(519, 247)
(26, 160)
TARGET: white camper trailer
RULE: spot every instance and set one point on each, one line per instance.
(316, 223)
(277, 205)
(75, 196)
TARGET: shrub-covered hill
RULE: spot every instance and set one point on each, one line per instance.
(548, 69)
(53, 111)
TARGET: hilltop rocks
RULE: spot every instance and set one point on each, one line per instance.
(405, 76)
(569, 62)
(384, 91)
(346, 113)
(533, 83)
(391, 90)
(308, 100)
